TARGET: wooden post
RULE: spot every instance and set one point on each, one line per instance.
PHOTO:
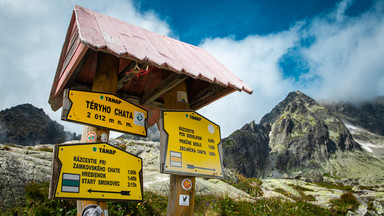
(105, 81)
(175, 184)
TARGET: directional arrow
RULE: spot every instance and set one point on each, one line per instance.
(190, 166)
(127, 193)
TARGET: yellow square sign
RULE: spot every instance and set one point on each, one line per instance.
(190, 145)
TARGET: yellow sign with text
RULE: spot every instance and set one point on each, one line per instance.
(104, 110)
(98, 171)
(192, 145)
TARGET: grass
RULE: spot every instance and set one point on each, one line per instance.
(45, 149)
(346, 202)
(6, 148)
(122, 146)
(335, 186)
(37, 203)
(250, 186)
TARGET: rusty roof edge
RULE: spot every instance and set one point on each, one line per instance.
(238, 84)
(53, 94)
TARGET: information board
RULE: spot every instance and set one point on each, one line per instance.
(190, 145)
(104, 110)
(97, 171)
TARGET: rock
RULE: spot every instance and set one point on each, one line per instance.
(371, 213)
(363, 207)
(17, 169)
(361, 211)
(230, 176)
(286, 175)
(349, 213)
(379, 206)
(356, 188)
(314, 176)
(298, 175)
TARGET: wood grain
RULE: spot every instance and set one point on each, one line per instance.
(175, 188)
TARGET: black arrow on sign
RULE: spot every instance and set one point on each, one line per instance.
(190, 166)
(127, 193)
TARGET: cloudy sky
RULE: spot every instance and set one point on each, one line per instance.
(324, 48)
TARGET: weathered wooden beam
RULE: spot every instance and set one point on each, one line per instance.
(137, 100)
(125, 75)
(167, 84)
(211, 98)
(105, 81)
(176, 189)
(205, 93)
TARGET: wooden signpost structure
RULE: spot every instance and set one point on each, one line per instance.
(106, 55)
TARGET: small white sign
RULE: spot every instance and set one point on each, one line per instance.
(139, 118)
(184, 200)
(182, 97)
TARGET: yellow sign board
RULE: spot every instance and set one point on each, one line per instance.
(97, 171)
(190, 145)
(104, 110)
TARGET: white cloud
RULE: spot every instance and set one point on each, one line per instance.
(346, 58)
(255, 60)
(344, 61)
(32, 34)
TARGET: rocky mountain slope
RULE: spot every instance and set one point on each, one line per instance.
(27, 125)
(299, 134)
(20, 165)
(367, 115)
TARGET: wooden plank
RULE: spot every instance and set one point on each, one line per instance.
(200, 104)
(175, 184)
(55, 167)
(167, 84)
(105, 81)
(205, 93)
(125, 75)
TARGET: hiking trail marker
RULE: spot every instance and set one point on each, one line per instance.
(192, 145)
(105, 110)
(152, 71)
(97, 171)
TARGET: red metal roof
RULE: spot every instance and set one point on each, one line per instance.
(122, 39)
(170, 62)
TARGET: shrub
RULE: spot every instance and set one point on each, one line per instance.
(6, 148)
(346, 202)
(250, 186)
(45, 149)
(122, 146)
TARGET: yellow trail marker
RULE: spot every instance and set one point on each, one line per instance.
(193, 145)
(98, 171)
(104, 110)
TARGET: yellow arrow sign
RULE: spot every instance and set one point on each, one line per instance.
(104, 110)
(97, 171)
(190, 145)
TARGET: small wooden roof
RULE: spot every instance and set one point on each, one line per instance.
(150, 64)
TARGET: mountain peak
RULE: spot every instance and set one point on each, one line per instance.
(298, 132)
(297, 98)
(26, 124)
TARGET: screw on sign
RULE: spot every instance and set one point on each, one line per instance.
(186, 184)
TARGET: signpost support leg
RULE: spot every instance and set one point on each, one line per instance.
(176, 192)
(105, 81)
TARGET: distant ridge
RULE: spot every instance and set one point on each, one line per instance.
(27, 125)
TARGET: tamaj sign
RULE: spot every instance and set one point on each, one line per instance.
(104, 110)
(96, 171)
(190, 145)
